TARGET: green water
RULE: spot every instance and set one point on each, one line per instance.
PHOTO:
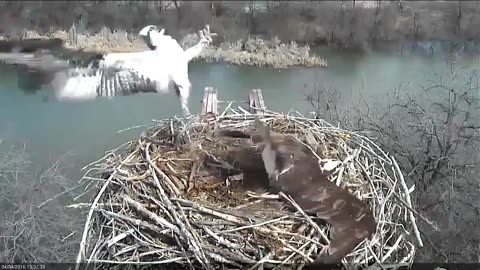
(82, 132)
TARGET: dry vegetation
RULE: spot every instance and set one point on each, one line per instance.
(434, 132)
(435, 141)
(171, 196)
(356, 24)
(259, 52)
(35, 226)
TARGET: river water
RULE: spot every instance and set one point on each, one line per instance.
(81, 132)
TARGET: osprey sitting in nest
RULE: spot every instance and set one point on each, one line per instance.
(162, 69)
(292, 168)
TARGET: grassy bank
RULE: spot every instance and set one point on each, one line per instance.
(252, 51)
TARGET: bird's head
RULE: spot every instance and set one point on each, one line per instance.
(146, 30)
(151, 35)
(269, 153)
(264, 131)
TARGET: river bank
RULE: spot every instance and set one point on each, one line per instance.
(252, 32)
(252, 51)
(44, 128)
(349, 24)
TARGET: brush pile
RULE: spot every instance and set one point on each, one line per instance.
(161, 200)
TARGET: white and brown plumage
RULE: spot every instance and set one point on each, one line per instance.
(162, 69)
(292, 168)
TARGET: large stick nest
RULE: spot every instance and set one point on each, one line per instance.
(166, 199)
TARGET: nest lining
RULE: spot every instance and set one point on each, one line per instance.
(163, 203)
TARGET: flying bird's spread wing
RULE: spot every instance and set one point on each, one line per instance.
(39, 61)
(30, 45)
(162, 69)
(205, 39)
(122, 77)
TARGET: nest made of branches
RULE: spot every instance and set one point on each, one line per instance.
(159, 202)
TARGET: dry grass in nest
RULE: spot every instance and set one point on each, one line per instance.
(158, 202)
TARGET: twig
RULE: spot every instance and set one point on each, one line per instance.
(309, 220)
(81, 252)
(261, 261)
(58, 195)
(159, 220)
(137, 222)
(205, 226)
(408, 201)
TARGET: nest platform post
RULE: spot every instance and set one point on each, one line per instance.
(209, 102)
(256, 102)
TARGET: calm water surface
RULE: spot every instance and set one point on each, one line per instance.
(82, 132)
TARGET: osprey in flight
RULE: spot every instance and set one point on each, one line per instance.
(162, 69)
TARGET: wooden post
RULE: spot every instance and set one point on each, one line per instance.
(256, 102)
(209, 102)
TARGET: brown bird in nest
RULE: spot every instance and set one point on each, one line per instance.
(292, 168)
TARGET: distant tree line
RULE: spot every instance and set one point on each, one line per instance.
(341, 23)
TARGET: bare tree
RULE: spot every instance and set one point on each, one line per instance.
(434, 132)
